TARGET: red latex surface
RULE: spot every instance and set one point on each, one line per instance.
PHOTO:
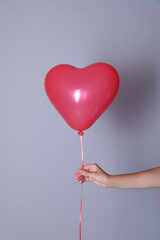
(81, 95)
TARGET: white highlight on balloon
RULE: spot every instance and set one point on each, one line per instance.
(77, 95)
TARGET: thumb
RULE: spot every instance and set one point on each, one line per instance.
(87, 174)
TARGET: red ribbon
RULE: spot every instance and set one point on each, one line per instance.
(80, 216)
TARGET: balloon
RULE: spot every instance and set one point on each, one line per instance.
(81, 95)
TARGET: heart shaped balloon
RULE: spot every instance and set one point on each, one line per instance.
(81, 95)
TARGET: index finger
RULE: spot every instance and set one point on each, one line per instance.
(77, 171)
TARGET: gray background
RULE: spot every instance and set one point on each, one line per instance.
(39, 152)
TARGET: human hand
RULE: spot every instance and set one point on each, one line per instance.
(92, 173)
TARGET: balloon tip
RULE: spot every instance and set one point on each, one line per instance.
(80, 133)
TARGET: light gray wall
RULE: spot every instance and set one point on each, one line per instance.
(39, 152)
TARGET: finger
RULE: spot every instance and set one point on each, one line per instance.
(87, 173)
(81, 179)
(90, 167)
(78, 178)
(78, 175)
(77, 172)
(87, 179)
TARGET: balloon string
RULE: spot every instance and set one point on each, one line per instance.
(80, 216)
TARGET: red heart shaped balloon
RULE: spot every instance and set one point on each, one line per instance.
(81, 95)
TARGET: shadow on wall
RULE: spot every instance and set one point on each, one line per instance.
(136, 95)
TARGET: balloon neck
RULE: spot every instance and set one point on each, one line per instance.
(80, 133)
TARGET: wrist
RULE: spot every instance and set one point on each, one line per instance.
(110, 183)
(108, 180)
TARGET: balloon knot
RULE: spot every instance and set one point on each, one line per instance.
(80, 133)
